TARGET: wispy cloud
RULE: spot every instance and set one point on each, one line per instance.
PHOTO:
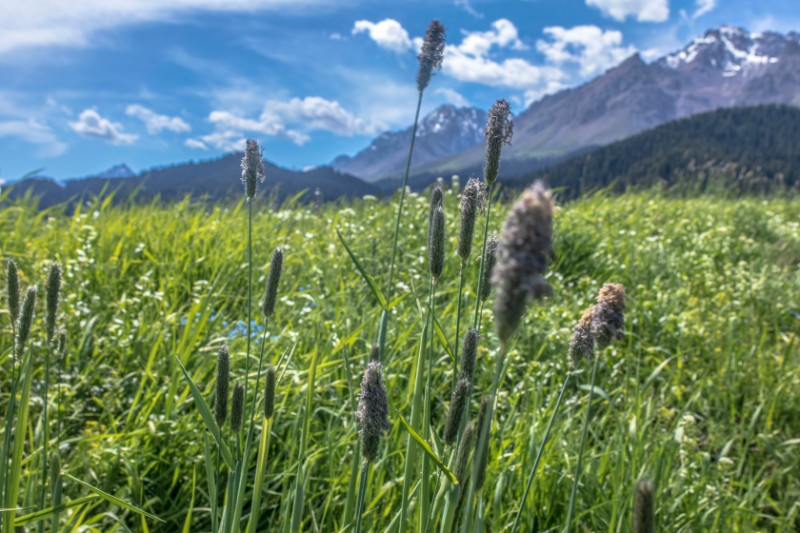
(703, 6)
(641, 10)
(91, 124)
(592, 48)
(34, 132)
(155, 122)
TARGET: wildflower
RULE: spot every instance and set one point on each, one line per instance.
(499, 131)
(644, 520)
(431, 55)
(522, 255)
(52, 293)
(252, 168)
(269, 392)
(472, 200)
(12, 287)
(458, 403)
(274, 277)
(372, 414)
(223, 379)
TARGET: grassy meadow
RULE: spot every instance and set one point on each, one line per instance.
(702, 396)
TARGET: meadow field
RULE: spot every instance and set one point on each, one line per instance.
(701, 396)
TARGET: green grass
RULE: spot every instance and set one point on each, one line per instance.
(702, 396)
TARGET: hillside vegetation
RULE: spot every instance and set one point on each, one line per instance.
(702, 396)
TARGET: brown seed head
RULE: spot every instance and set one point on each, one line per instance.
(582, 343)
(431, 55)
(522, 255)
(372, 414)
(499, 130)
(608, 314)
(472, 200)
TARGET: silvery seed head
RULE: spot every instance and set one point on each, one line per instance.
(464, 451)
(13, 290)
(372, 414)
(489, 259)
(458, 403)
(223, 384)
(25, 319)
(237, 407)
(582, 343)
(436, 243)
(273, 278)
(431, 55)
(608, 314)
(522, 255)
(472, 200)
(469, 352)
(269, 392)
(252, 168)
(52, 294)
(644, 515)
(499, 130)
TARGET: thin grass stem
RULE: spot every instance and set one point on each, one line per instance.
(362, 491)
(478, 301)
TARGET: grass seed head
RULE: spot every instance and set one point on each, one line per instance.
(223, 384)
(13, 290)
(26, 319)
(52, 294)
(431, 55)
(472, 200)
(269, 392)
(489, 259)
(582, 343)
(458, 402)
(483, 419)
(522, 255)
(644, 516)
(437, 197)
(252, 168)
(61, 346)
(608, 314)
(273, 278)
(237, 407)
(436, 243)
(464, 451)
(499, 130)
(372, 414)
(375, 353)
(469, 352)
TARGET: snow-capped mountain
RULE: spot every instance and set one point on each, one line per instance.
(724, 67)
(445, 131)
(116, 172)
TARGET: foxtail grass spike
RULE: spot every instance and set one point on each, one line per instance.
(608, 314)
(372, 414)
(489, 259)
(582, 343)
(458, 403)
(499, 130)
(13, 291)
(237, 407)
(436, 243)
(252, 168)
(480, 466)
(52, 293)
(437, 198)
(26, 319)
(468, 353)
(273, 279)
(431, 55)
(472, 200)
(61, 346)
(522, 254)
(464, 451)
(375, 353)
(223, 383)
(269, 392)
(644, 515)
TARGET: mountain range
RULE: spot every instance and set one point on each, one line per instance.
(723, 68)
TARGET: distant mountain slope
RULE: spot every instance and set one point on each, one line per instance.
(445, 131)
(725, 67)
(739, 150)
(218, 178)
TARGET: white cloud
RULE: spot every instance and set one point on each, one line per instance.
(195, 143)
(34, 132)
(91, 124)
(155, 122)
(225, 140)
(388, 33)
(642, 10)
(56, 22)
(702, 7)
(452, 97)
(592, 48)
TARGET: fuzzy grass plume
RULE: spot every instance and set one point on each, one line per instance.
(52, 294)
(372, 414)
(269, 392)
(237, 407)
(522, 255)
(432, 53)
(458, 403)
(469, 353)
(12, 290)
(252, 168)
(273, 279)
(472, 201)
(223, 384)
(499, 130)
(644, 516)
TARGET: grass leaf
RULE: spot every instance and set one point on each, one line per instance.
(429, 451)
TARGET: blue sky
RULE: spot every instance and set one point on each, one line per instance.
(88, 84)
